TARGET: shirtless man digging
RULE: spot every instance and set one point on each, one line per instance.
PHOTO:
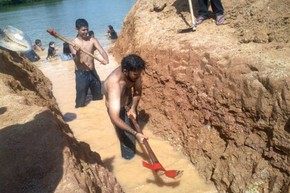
(86, 74)
(122, 90)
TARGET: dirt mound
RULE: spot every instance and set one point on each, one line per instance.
(38, 150)
(222, 92)
(260, 21)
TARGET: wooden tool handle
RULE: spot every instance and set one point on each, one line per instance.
(53, 33)
(192, 15)
(145, 142)
(160, 170)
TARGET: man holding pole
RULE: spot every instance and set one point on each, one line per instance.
(86, 75)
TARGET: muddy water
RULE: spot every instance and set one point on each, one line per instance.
(92, 125)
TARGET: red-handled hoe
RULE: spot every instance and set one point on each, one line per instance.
(155, 166)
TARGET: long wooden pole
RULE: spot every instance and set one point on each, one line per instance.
(145, 142)
(53, 33)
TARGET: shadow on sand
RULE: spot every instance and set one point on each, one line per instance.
(32, 154)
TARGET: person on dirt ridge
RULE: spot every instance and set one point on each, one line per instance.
(122, 90)
(217, 9)
(86, 75)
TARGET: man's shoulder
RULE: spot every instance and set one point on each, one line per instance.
(93, 40)
(114, 77)
(75, 40)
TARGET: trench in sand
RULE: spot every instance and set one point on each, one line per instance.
(92, 126)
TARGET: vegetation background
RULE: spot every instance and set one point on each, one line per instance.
(16, 2)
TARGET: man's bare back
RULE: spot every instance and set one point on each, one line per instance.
(115, 88)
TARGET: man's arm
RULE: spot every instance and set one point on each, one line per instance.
(75, 51)
(137, 92)
(114, 108)
(103, 53)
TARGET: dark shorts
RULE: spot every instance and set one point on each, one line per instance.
(86, 80)
(127, 140)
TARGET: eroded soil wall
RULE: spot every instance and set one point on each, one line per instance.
(38, 150)
(225, 104)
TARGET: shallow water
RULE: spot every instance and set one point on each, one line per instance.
(92, 125)
(35, 19)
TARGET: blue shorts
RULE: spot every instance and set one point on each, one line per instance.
(127, 140)
(86, 80)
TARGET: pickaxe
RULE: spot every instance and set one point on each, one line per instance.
(155, 166)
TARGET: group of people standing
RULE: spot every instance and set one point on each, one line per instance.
(66, 54)
(51, 51)
(122, 89)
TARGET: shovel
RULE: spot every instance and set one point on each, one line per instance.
(155, 166)
(56, 35)
(192, 16)
(193, 25)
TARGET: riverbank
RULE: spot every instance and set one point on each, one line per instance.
(39, 152)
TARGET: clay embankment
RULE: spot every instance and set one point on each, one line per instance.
(222, 93)
(38, 150)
